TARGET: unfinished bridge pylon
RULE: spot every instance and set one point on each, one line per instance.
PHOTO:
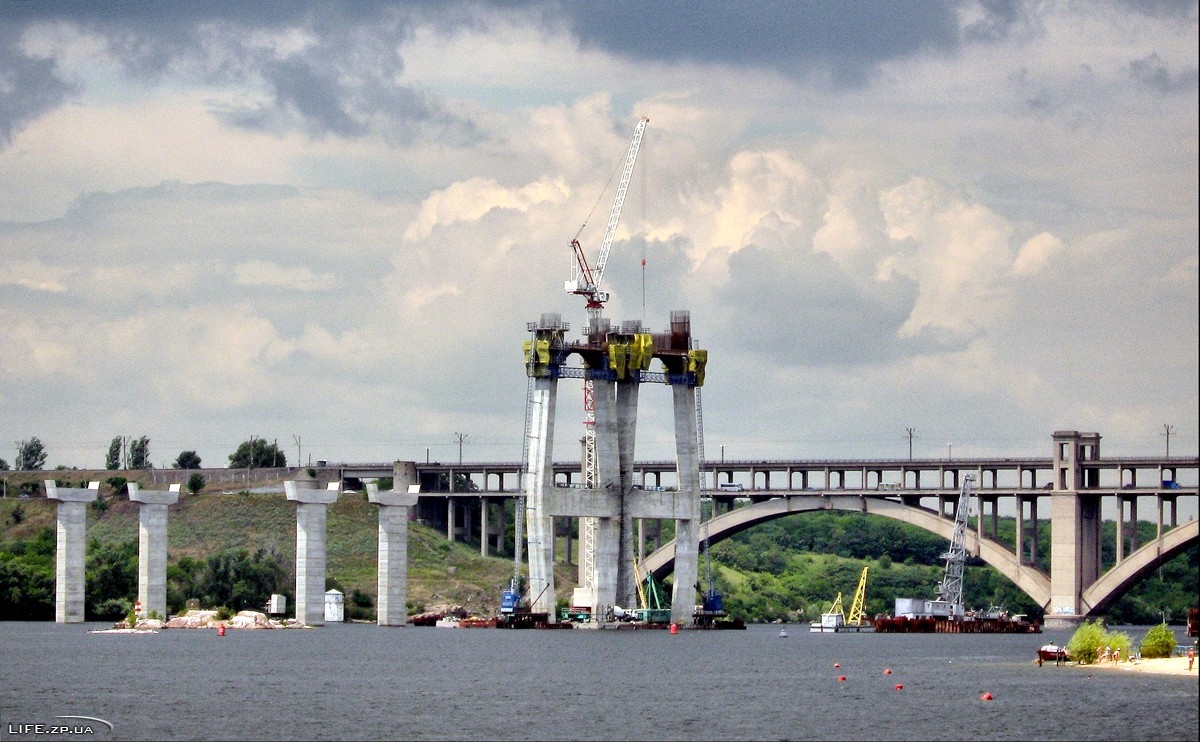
(616, 361)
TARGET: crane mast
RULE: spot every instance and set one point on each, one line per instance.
(585, 281)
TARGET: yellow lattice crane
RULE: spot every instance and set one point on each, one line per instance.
(860, 597)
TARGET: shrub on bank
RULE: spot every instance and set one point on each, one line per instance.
(1091, 639)
(1158, 642)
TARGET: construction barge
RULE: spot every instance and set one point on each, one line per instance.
(945, 614)
(931, 625)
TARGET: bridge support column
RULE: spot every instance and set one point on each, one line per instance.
(626, 429)
(1133, 523)
(1120, 550)
(1033, 530)
(1020, 530)
(687, 562)
(391, 604)
(311, 505)
(1074, 555)
(609, 537)
(152, 546)
(71, 550)
(1074, 527)
(538, 485)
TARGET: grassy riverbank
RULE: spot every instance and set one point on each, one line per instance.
(439, 571)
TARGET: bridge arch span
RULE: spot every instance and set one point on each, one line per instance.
(1029, 579)
(1116, 582)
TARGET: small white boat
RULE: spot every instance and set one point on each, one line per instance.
(447, 622)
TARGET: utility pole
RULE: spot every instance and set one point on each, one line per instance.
(910, 437)
(461, 437)
(297, 439)
(1167, 430)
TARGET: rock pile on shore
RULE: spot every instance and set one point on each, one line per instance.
(196, 619)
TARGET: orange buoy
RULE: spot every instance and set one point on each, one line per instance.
(841, 678)
(899, 686)
(986, 697)
(887, 671)
(837, 665)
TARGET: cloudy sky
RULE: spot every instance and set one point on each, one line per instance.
(327, 224)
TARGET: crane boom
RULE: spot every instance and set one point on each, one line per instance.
(585, 280)
(951, 588)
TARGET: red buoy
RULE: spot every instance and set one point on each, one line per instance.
(986, 697)
(887, 671)
(841, 678)
(221, 630)
(899, 686)
(674, 628)
(837, 665)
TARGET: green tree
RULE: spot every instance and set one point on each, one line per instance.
(196, 483)
(111, 577)
(31, 455)
(139, 454)
(1158, 642)
(187, 460)
(238, 579)
(1091, 639)
(27, 578)
(257, 454)
(113, 459)
(3, 465)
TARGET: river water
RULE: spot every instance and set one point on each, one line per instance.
(358, 681)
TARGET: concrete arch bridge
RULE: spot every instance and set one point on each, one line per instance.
(1068, 565)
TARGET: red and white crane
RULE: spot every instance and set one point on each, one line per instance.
(585, 281)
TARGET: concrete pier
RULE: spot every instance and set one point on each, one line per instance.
(687, 534)
(539, 484)
(71, 549)
(311, 506)
(391, 605)
(152, 546)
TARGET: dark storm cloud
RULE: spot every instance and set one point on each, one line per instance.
(1152, 72)
(345, 83)
(796, 38)
(28, 86)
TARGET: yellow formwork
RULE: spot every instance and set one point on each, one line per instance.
(697, 360)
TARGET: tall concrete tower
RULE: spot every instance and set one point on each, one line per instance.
(616, 362)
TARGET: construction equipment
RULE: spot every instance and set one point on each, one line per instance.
(585, 281)
(949, 600)
(860, 597)
(832, 619)
(653, 599)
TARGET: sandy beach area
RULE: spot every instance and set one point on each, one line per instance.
(1163, 666)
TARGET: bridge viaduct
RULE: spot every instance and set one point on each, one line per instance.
(1076, 485)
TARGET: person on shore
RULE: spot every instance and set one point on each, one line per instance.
(1107, 653)
(1191, 657)
(1116, 655)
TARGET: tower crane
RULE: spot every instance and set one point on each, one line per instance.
(585, 281)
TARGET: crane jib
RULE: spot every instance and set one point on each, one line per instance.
(586, 279)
